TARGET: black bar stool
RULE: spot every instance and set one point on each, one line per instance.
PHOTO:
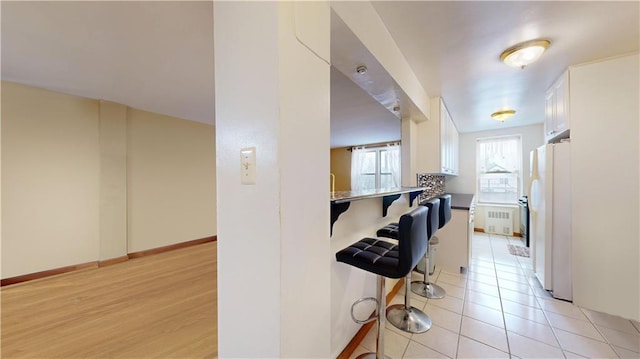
(425, 288)
(388, 260)
(404, 316)
(443, 219)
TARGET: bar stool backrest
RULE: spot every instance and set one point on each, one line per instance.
(445, 209)
(433, 220)
(412, 231)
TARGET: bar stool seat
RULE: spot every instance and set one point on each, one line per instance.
(373, 255)
(389, 231)
(388, 260)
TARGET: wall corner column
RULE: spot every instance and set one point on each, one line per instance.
(113, 180)
(272, 93)
(409, 135)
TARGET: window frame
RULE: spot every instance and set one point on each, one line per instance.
(378, 167)
(518, 172)
(378, 175)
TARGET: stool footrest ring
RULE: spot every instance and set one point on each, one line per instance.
(370, 319)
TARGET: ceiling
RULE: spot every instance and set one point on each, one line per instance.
(454, 47)
(356, 117)
(155, 56)
(158, 56)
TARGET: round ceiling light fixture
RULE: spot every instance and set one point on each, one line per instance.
(524, 53)
(503, 115)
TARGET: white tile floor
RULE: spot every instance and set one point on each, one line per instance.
(498, 310)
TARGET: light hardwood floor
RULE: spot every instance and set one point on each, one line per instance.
(159, 306)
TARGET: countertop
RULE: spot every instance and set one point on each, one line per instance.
(347, 196)
(460, 200)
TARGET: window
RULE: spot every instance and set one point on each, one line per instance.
(499, 169)
(373, 168)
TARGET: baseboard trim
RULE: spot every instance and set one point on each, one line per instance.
(107, 262)
(47, 273)
(355, 341)
(112, 261)
(481, 230)
(171, 247)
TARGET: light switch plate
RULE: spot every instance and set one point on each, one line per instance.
(248, 165)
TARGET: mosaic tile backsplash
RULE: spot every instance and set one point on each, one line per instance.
(434, 184)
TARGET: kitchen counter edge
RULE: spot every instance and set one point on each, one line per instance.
(348, 196)
(462, 201)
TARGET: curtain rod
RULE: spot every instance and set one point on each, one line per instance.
(375, 145)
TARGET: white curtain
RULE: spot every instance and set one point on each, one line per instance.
(393, 152)
(377, 167)
(499, 168)
(357, 165)
(499, 154)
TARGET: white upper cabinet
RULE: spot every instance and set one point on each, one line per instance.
(557, 115)
(438, 142)
(449, 143)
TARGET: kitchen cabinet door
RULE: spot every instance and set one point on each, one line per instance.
(561, 90)
(557, 116)
(449, 135)
(454, 249)
(549, 115)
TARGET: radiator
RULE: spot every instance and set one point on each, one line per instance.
(498, 220)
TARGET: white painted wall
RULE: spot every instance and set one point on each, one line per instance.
(465, 182)
(274, 259)
(64, 184)
(604, 164)
(170, 180)
(246, 37)
(50, 188)
(429, 141)
(409, 152)
(304, 177)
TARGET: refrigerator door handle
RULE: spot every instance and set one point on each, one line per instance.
(533, 195)
(530, 194)
(534, 176)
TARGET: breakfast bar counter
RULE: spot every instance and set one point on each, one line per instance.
(341, 200)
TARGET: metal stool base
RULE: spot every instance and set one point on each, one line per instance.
(428, 290)
(410, 320)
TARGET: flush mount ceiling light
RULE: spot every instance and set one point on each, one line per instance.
(503, 115)
(524, 53)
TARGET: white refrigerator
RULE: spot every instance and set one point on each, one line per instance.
(550, 221)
